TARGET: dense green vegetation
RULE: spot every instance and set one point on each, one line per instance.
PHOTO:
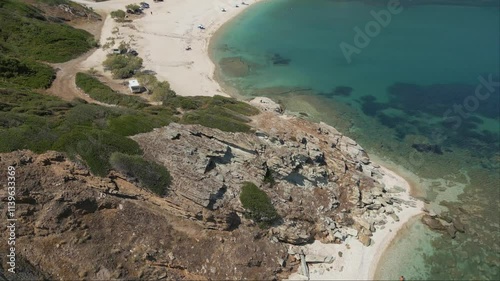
(122, 66)
(133, 7)
(118, 15)
(218, 112)
(55, 2)
(100, 92)
(159, 90)
(148, 174)
(258, 205)
(26, 72)
(26, 32)
(95, 147)
(40, 123)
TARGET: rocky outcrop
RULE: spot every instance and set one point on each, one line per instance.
(71, 225)
(443, 223)
(433, 223)
(322, 184)
(322, 180)
(266, 104)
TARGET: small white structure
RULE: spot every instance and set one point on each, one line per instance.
(134, 86)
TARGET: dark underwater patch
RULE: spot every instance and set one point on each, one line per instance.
(452, 109)
(370, 106)
(438, 98)
(277, 59)
(423, 147)
(342, 91)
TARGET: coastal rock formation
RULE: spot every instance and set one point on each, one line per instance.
(71, 225)
(324, 185)
(443, 223)
(266, 104)
(321, 183)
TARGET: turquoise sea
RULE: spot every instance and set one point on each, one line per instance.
(422, 94)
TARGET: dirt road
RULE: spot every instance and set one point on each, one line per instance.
(64, 85)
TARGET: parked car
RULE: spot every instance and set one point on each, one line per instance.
(117, 51)
(135, 12)
(144, 5)
(133, 52)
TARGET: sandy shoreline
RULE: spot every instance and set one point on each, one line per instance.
(161, 39)
(359, 262)
(163, 33)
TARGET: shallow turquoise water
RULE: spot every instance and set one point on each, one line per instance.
(414, 83)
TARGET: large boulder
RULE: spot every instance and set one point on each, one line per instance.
(364, 239)
(433, 223)
(293, 233)
(266, 104)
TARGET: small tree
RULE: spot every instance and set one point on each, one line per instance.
(123, 47)
(133, 7)
(162, 91)
(122, 66)
(118, 15)
(258, 205)
(147, 80)
(159, 90)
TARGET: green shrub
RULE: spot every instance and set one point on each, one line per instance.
(234, 105)
(122, 66)
(209, 119)
(128, 125)
(54, 2)
(95, 147)
(89, 115)
(226, 114)
(36, 138)
(27, 120)
(185, 103)
(133, 7)
(100, 92)
(149, 175)
(26, 73)
(88, 132)
(159, 90)
(118, 15)
(258, 206)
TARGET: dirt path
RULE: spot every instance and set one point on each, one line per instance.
(64, 85)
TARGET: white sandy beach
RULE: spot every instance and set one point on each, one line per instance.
(359, 262)
(161, 39)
